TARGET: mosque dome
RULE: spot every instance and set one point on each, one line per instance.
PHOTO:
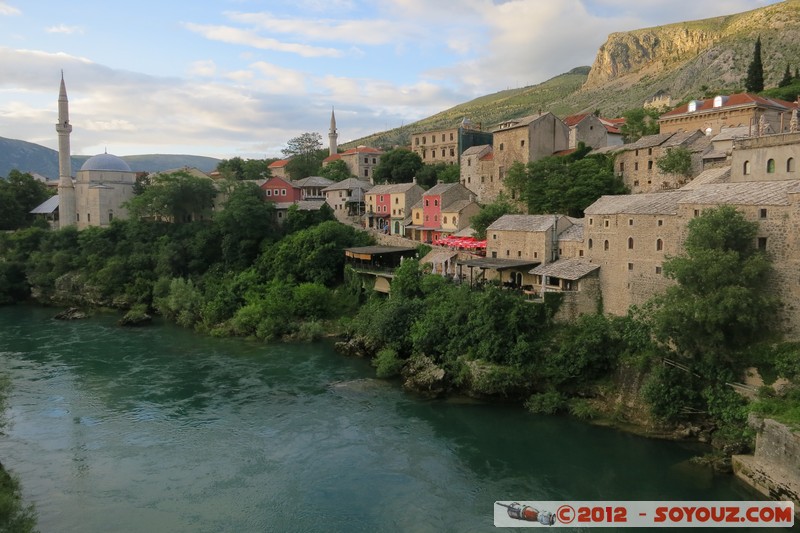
(107, 162)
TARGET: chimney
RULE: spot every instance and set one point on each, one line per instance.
(414, 180)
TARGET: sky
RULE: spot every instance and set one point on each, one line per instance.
(239, 78)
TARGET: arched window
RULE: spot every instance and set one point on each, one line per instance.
(630, 243)
(444, 220)
(746, 168)
(790, 164)
(771, 166)
(659, 245)
(605, 245)
(590, 244)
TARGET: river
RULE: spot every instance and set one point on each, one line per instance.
(160, 429)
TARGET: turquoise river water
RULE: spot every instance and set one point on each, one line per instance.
(159, 429)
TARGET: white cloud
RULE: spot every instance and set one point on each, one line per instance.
(357, 31)
(227, 34)
(205, 68)
(7, 10)
(63, 28)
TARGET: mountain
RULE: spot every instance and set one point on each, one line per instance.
(33, 158)
(685, 60)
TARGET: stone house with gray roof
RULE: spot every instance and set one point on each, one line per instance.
(636, 163)
(477, 173)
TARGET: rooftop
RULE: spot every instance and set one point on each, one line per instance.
(523, 223)
(570, 269)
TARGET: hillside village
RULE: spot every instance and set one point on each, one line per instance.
(743, 153)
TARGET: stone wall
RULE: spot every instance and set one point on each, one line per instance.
(774, 469)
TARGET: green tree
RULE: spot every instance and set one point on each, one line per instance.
(754, 83)
(398, 166)
(787, 77)
(720, 303)
(19, 194)
(676, 161)
(430, 175)
(563, 185)
(176, 197)
(639, 123)
(491, 212)
(245, 222)
(305, 155)
(336, 171)
(237, 168)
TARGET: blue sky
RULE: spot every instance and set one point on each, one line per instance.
(232, 78)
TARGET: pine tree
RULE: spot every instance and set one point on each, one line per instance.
(787, 77)
(755, 72)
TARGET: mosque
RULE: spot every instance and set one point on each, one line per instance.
(101, 186)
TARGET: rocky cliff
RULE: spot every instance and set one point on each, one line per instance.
(712, 53)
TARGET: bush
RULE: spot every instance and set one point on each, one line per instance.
(545, 403)
(387, 364)
(582, 409)
(310, 331)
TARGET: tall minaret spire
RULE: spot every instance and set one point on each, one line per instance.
(332, 135)
(66, 190)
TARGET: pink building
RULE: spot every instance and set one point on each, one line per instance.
(279, 190)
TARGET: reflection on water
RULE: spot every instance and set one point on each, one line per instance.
(162, 430)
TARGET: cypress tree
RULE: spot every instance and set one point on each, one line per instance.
(787, 77)
(755, 72)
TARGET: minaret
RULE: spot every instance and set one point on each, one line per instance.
(333, 136)
(66, 190)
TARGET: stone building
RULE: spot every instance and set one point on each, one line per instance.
(447, 145)
(636, 163)
(361, 161)
(311, 187)
(760, 114)
(346, 197)
(477, 173)
(592, 131)
(766, 158)
(629, 237)
(527, 139)
(277, 169)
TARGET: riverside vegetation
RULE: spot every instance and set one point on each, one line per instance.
(237, 273)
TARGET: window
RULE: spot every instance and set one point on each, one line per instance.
(519, 253)
(660, 222)
(381, 197)
(622, 166)
(442, 137)
(469, 161)
(762, 213)
(443, 152)
(591, 221)
(269, 192)
(444, 220)
(762, 244)
(374, 160)
(451, 135)
(630, 222)
(427, 217)
(605, 222)
(605, 245)
(697, 212)
(452, 152)
(649, 165)
(436, 202)
(630, 243)
(746, 168)
(494, 236)
(283, 192)
(417, 215)
(436, 218)
(635, 183)
(536, 255)
(501, 147)
(508, 253)
(649, 151)
(790, 164)
(659, 245)
(110, 216)
(630, 266)
(636, 166)
(416, 141)
(590, 244)
(522, 143)
(455, 220)
(636, 153)
(397, 200)
(483, 179)
(658, 270)
(580, 253)
(494, 255)
(771, 166)
(88, 217)
(426, 202)
(423, 140)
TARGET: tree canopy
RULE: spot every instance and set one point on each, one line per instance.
(430, 175)
(398, 166)
(563, 185)
(676, 161)
(19, 194)
(336, 171)
(639, 123)
(754, 82)
(306, 155)
(177, 197)
(720, 303)
(237, 168)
